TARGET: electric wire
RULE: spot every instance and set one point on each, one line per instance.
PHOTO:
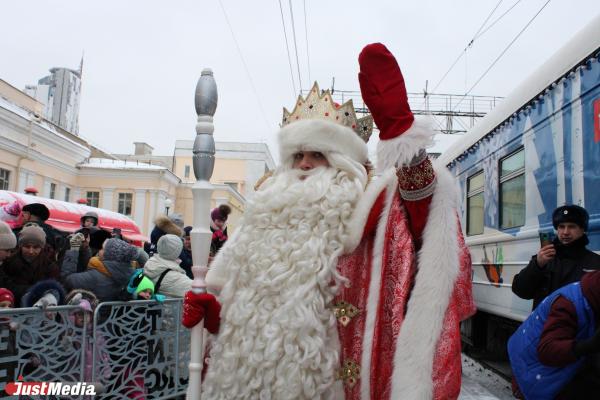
(497, 19)
(464, 51)
(306, 37)
(295, 44)
(260, 106)
(288, 52)
(502, 53)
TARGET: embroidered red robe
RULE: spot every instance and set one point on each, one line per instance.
(398, 319)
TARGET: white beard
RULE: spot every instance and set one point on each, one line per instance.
(278, 337)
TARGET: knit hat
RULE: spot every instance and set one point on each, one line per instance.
(37, 209)
(32, 234)
(570, 213)
(221, 212)
(8, 240)
(46, 293)
(144, 284)
(169, 247)
(119, 250)
(7, 295)
(13, 209)
(187, 230)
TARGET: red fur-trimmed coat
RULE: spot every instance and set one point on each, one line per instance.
(398, 320)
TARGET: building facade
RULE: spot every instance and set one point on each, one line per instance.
(36, 152)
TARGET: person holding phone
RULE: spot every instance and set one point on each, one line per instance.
(562, 259)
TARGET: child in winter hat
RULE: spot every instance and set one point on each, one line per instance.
(7, 298)
(46, 293)
(169, 247)
(142, 288)
(119, 250)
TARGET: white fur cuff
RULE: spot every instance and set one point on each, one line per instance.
(401, 149)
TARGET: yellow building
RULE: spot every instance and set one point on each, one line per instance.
(36, 153)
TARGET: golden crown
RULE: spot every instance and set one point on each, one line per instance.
(320, 105)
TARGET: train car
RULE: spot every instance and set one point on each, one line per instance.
(66, 217)
(538, 149)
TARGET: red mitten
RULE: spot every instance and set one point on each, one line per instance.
(197, 306)
(383, 90)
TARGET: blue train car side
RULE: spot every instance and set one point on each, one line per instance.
(538, 150)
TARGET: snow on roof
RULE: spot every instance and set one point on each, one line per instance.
(28, 116)
(107, 163)
(576, 50)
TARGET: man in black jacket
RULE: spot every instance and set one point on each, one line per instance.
(560, 263)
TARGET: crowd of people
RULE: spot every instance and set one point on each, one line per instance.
(39, 264)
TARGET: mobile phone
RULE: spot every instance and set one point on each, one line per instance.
(546, 238)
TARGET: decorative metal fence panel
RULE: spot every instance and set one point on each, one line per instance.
(130, 350)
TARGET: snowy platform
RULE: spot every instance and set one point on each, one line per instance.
(480, 383)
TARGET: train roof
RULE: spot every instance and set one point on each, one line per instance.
(576, 51)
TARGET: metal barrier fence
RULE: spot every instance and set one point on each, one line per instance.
(130, 350)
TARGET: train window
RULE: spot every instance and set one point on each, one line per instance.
(512, 190)
(475, 204)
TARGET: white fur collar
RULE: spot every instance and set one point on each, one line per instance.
(356, 226)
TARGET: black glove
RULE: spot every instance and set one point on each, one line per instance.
(588, 346)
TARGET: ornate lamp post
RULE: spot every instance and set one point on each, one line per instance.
(204, 162)
(168, 204)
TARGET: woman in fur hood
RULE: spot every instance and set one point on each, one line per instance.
(163, 225)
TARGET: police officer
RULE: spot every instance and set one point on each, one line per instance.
(560, 263)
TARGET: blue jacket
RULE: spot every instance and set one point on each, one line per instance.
(536, 380)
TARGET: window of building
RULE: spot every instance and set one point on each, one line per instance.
(52, 190)
(512, 190)
(186, 172)
(93, 199)
(125, 201)
(67, 194)
(475, 204)
(4, 178)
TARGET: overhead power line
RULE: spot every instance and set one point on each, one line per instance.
(288, 52)
(464, 51)
(260, 106)
(497, 19)
(306, 36)
(295, 44)
(501, 54)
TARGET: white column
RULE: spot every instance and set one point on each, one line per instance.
(75, 194)
(139, 204)
(46, 188)
(107, 198)
(152, 209)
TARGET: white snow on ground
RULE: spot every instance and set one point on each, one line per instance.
(479, 383)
